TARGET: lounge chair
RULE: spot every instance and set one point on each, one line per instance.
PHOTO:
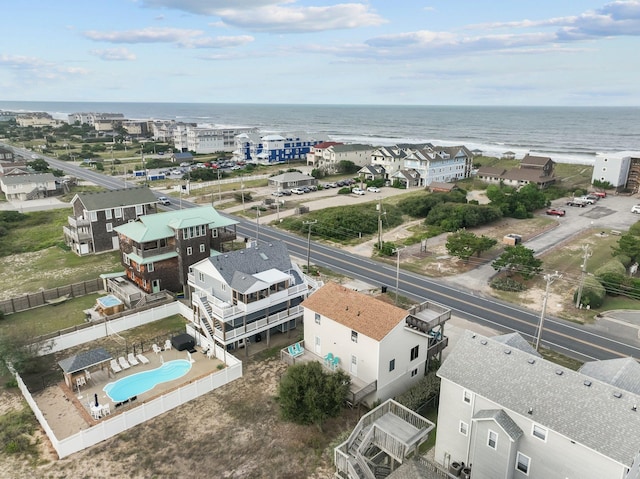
(143, 359)
(336, 361)
(299, 348)
(167, 345)
(123, 363)
(156, 349)
(328, 359)
(292, 351)
(114, 366)
(132, 360)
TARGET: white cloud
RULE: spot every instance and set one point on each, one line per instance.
(37, 68)
(279, 16)
(114, 54)
(177, 36)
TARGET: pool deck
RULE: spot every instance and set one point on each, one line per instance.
(67, 411)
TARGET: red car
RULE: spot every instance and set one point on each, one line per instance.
(555, 212)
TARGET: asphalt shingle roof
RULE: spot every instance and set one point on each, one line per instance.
(588, 411)
(26, 179)
(100, 200)
(362, 313)
(622, 372)
(502, 419)
(84, 360)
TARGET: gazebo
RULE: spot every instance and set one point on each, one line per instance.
(82, 362)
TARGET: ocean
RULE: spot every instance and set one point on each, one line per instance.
(566, 134)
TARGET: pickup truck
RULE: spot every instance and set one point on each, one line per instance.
(580, 202)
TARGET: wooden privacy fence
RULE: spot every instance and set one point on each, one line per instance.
(50, 296)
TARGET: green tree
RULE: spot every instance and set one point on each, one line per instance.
(424, 391)
(39, 165)
(464, 244)
(628, 245)
(593, 293)
(518, 259)
(347, 167)
(309, 395)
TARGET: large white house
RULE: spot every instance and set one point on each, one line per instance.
(203, 140)
(385, 349)
(439, 164)
(331, 154)
(28, 187)
(621, 169)
(247, 295)
(507, 413)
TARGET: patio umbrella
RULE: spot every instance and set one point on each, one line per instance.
(96, 397)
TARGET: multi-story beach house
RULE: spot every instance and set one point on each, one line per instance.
(391, 158)
(157, 250)
(91, 118)
(506, 412)
(203, 140)
(273, 148)
(440, 164)
(385, 349)
(28, 187)
(621, 169)
(247, 295)
(91, 227)
(538, 170)
(329, 157)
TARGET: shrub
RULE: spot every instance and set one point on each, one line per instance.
(612, 276)
(624, 259)
(593, 293)
(507, 284)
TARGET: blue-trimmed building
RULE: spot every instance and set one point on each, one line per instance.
(273, 148)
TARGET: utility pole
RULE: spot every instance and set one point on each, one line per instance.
(257, 223)
(583, 273)
(397, 252)
(309, 243)
(379, 208)
(549, 278)
(242, 190)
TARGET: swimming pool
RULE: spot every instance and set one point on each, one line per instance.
(139, 383)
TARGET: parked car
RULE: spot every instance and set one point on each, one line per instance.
(357, 191)
(331, 185)
(373, 189)
(635, 209)
(600, 194)
(306, 189)
(278, 193)
(163, 200)
(580, 202)
(591, 199)
(286, 192)
(313, 187)
(297, 191)
(556, 212)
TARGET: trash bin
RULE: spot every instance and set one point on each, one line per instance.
(455, 468)
(383, 288)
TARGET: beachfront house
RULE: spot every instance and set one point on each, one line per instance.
(329, 160)
(391, 158)
(320, 153)
(248, 295)
(621, 170)
(29, 186)
(90, 229)
(440, 164)
(385, 349)
(157, 250)
(269, 149)
(506, 412)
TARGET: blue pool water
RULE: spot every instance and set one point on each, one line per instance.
(139, 383)
(108, 301)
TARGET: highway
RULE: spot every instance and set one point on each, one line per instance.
(565, 337)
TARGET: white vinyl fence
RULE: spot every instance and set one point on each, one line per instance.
(144, 411)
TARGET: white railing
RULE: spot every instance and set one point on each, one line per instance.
(259, 325)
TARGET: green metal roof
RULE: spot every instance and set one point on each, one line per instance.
(163, 225)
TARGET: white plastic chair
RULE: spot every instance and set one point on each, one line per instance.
(87, 375)
(106, 410)
(167, 345)
(80, 381)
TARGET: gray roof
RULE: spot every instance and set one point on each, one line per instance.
(502, 419)
(590, 412)
(352, 147)
(25, 179)
(84, 360)
(516, 341)
(623, 373)
(291, 176)
(235, 265)
(100, 200)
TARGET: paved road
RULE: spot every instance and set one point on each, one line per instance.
(559, 335)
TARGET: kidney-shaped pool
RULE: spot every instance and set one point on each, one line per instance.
(139, 383)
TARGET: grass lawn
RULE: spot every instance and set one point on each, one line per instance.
(48, 319)
(35, 231)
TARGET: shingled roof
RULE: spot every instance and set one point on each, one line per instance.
(588, 411)
(362, 313)
(101, 200)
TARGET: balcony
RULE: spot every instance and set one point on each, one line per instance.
(76, 235)
(150, 253)
(427, 316)
(78, 222)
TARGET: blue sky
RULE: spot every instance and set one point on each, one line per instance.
(439, 52)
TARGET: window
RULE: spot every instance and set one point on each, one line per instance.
(93, 216)
(201, 276)
(189, 251)
(139, 210)
(107, 214)
(492, 439)
(354, 336)
(118, 212)
(125, 258)
(317, 315)
(523, 463)
(214, 233)
(464, 428)
(414, 372)
(109, 227)
(466, 396)
(202, 248)
(414, 352)
(392, 365)
(150, 268)
(539, 432)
